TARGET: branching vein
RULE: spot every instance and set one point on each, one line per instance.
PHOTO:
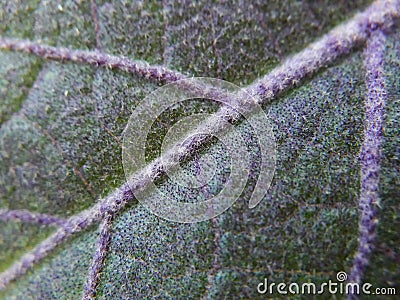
(27, 216)
(95, 58)
(98, 258)
(341, 40)
(370, 152)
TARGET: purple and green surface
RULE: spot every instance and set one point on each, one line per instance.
(71, 73)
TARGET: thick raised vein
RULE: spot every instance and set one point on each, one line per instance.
(339, 41)
(73, 225)
(27, 216)
(95, 58)
(370, 152)
(98, 258)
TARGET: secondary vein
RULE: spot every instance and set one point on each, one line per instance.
(92, 57)
(98, 258)
(27, 216)
(370, 153)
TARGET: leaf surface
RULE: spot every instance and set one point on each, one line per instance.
(60, 149)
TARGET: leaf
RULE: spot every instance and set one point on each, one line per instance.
(60, 147)
(285, 232)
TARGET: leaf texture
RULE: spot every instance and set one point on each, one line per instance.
(60, 149)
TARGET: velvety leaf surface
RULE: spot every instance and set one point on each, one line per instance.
(57, 277)
(17, 238)
(300, 226)
(18, 72)
(60, 149)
